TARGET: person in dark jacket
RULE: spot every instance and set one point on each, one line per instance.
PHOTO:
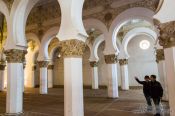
(156, 93)
(146, 91)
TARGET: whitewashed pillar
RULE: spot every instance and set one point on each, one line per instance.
(2, 79)
(111, 61)
(124, 74)
(50, 76)
(72, 51)
(43, 77)
(167, 40)
(94, 72)
(160, 58)
(14, 99)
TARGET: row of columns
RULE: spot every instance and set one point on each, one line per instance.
(73, 80)
(124, 72)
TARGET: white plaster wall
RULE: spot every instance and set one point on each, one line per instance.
(58, 72)
(141, 62)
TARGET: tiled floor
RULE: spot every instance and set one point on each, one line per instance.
(130, 103)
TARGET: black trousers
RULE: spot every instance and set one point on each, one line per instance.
(157, 105)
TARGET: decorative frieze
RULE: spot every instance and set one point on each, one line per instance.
(160, 55)
(43, 64)
(123, 62)
(111, 59)
(94, 64)
(15, 55)
(51, 67)
(72, 48)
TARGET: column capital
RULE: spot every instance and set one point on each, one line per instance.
(123, 61)
(93, 63)
(51, 67)
(43, 64)
(15, 55)
(2, 66)
(72, 48)
(167, 34)
(33, 67)
(160, 55)
(111, 59)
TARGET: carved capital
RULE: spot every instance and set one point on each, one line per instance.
(123, 61)
(111, 59)
(167, 34)
(94, 64)
(51, 67)
(72, 48)
(2, 67)
(33, 67)
(15, 55)
(160, 55)
(43, 64)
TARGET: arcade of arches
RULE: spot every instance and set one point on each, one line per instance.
(67, 57)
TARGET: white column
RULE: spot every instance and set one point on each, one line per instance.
(112, 81)
(163, 78)
(2, 68)
(94, 72)
(73, 87)
(124, 74)
(50, 76)
(170, 74)
(111, 60)
(43, 77)
(14, 98)
(72, 51)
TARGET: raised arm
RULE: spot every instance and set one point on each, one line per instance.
(140, 82)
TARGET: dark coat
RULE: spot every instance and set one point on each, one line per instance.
(146, 87)
(156, 90)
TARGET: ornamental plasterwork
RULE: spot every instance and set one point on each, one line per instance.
(92, 36)
(2, 67)
(94, 64)
(15, 55)
(150, 4)
(160, 55)
(123, 62)
(72, 48)
(43, 64)
(167, 34)
(52, 11)
(51, 67)
(111, 59)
